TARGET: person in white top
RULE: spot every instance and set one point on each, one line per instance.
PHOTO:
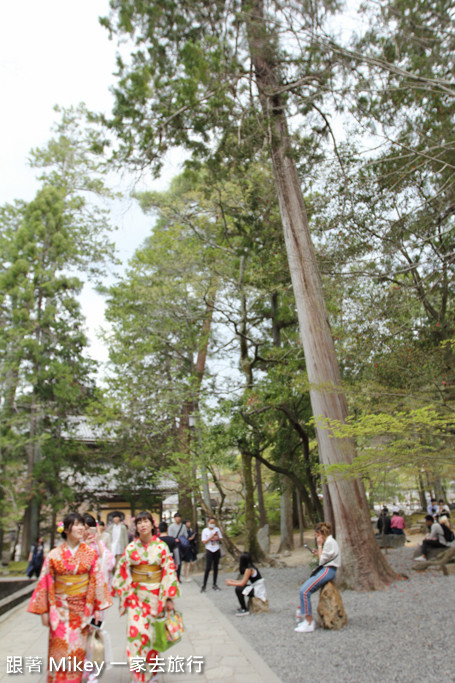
(328, 553)
(211, 537)
(118, 536)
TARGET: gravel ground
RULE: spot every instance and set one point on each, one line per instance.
(404, 634)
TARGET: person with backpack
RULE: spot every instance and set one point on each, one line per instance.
(434, 539)
(446, 528)
(179, 531)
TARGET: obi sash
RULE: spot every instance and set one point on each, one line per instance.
(72, 585)
(146, 573)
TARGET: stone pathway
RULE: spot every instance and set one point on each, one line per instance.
(209, 636)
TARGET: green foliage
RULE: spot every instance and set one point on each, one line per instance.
(382, 223)
(48, 245)
(411, 439)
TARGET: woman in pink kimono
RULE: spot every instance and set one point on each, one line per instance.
(92, 537)
(146, 581)
(71, 591)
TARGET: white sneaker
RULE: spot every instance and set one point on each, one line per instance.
(422, 558)
(305, 627)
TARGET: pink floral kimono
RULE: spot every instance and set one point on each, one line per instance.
(106, 560)
(146, 576)
(71, 588)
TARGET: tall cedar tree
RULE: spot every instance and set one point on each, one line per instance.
(197, 71)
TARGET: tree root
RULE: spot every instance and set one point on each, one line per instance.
(438, 562)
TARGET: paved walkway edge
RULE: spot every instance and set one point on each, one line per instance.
(257, 662)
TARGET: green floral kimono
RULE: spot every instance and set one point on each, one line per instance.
(144, 601)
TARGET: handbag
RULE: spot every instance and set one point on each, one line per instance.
(98, 649)
(184, 542)
(168, 630)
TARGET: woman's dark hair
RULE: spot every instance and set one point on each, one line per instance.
(69, 521)
(89, 520)
(145, 514)
(245, 562)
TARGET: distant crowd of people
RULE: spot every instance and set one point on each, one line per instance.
(395, 523)
(391, 525)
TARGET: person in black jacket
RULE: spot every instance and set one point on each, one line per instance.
(169, 540)
(384, 522)
(36, 558)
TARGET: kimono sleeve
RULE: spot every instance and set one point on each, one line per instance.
(121, 584)
(107, 561)
(98, 597)
(169, 586)
(43, 597)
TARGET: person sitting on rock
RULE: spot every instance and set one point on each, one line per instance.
(397, 524)
(434, 539)
(383, 523)
(250, 575)
(446, 528)
(328, 553)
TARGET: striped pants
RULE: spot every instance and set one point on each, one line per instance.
(314, 583)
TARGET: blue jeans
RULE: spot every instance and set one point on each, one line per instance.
(313, 584)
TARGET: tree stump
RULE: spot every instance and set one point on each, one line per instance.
(332, 614)
(256, 605)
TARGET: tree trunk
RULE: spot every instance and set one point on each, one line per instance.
(185, 471)
(251, 542)
(190, 407)
(53, 529)
(316, 507)
(300, 516)
(422, 497)
(363, 565)
(286, 525)
(260, 492)
(292, 476)
(328, 508)
(438, 488)
(371, 496)
(30, 528)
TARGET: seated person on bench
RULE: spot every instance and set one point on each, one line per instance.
(434, 539)
(397, 524)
